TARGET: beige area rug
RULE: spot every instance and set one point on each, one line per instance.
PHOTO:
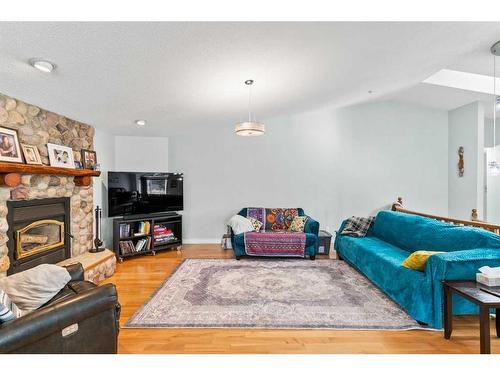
(256, 293)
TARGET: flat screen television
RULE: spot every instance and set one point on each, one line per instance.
(138, 193)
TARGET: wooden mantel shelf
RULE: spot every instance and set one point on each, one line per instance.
(10, 173)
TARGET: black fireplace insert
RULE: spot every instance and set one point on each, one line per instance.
(39, 232)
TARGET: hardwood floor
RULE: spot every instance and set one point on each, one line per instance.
(137, 278)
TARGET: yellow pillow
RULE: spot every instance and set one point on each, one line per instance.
(418, 259)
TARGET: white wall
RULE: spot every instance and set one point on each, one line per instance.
(333, 163)
(104, 145)
(137, 154)
(488, 132)
(493, 182)
(123, 153)
(466, 128)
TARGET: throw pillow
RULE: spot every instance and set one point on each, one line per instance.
(256, 224)
(279, 219)
(240, 224)
(32, 288)
(298, 224)
(8, 309)
(418, 259)
(357, 226)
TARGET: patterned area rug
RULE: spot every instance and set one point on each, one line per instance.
(269, 294)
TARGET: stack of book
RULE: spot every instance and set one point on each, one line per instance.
(128, 247)
(163, 234)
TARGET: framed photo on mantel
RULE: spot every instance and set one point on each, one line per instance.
(10, 150)
(61, 156)
(89, 159)
(31, 154)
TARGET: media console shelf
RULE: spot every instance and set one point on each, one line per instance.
(146, 234)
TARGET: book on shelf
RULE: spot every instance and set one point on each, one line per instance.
(143, 227)
(163, 234)
(141, 245)
(127, 247)
(124, 230)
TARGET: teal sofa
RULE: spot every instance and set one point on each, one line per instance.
(394, 236)
(311, 230)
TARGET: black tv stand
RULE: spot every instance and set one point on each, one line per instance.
(142, 216)
(139, 230)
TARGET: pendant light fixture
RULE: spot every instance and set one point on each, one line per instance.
(493, 166)
(249, 128)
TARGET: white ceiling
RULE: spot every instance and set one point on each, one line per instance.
(191, 74)
(441, 97)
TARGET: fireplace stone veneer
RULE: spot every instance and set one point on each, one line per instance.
(38, 127)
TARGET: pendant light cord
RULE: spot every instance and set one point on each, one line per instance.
(249, 101)
(494, 105)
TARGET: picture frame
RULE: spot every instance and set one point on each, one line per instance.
(89, 159)
(31, 154)
(61, 156)
(10, 150)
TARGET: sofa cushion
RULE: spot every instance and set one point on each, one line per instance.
(274, 219)
(240, 224)
(298, 224)
(357, 226)
(418, 259)
(279, 219)
(256, 224)
(381, 263)
(32, 288)
(413, 232)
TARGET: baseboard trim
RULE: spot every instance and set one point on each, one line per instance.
(196, 241)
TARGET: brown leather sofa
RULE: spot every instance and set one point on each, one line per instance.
(81, 318)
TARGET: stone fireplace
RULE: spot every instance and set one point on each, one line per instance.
(38, 232)
(38, 127)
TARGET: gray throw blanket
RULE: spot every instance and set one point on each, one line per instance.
(357, 226)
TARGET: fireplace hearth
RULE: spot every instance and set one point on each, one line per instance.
(38, 232)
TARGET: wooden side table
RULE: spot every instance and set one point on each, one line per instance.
(478, 294)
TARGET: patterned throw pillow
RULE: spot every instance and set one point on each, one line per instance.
(298, 224)
(256, 224)
(357, 226)
(8, 309)
(279, 219)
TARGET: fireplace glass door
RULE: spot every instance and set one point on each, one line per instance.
(39, 236)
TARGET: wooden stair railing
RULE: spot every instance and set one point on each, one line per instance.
(495, 228)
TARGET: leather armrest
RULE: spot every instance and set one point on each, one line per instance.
(76, 271)
(52, 319)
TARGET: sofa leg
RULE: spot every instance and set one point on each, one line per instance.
(313, 257)
(339, 257)
(238, 257)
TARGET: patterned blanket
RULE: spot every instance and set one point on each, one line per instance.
(357, 226)
(291, 244)
(273, 219)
